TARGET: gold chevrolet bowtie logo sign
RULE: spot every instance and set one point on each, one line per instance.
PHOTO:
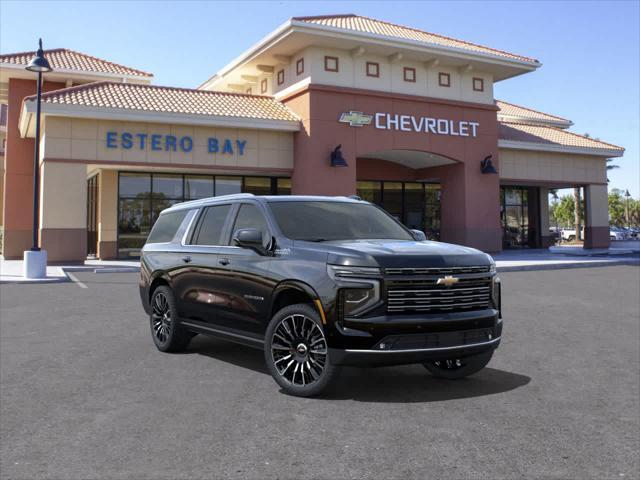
(356, 119)
(447, 281)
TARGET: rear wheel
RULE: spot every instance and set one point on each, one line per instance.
(455, 368)
(296, 351)
(167, 334)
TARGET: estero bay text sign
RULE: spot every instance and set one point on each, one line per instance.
(171, 143)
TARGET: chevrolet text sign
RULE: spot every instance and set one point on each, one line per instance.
(410, 123)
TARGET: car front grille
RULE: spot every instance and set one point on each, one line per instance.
(419, 291)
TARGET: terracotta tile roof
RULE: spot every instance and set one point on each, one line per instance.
(379, 27)
(65, 59)
(513, 110)
(517, 132)
(152, 98)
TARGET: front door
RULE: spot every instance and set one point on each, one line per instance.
(92, 216)
(244, 277)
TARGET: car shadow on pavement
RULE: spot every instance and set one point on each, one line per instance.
(398, 384)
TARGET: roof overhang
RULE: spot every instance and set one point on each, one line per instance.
(555, 148)
(294, 35)
(533, 121)
(27, 118)
(13, 70)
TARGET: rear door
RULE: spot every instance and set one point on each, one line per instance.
(195, 286)
(244, 275)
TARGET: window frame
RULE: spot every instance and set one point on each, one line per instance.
(327, 59)
(263, 85)
(480, 82)
(300, 66)
(377, 67)
(192, 236)
(280, 76)
(407, 70)
(444, 75)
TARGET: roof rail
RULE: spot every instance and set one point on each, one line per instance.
(205, 201)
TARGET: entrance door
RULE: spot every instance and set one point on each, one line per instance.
(92, 216)
(519, 217)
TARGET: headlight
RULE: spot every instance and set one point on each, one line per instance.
(492, 264)
(339, 271)
(357, 300)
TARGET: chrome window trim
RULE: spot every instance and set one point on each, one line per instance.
(433, 349)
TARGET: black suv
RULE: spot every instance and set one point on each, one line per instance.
(317, 283)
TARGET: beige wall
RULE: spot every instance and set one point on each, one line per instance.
(552, 167)
(80, 139)
(352, 73)
(597, 212)
(63, 195)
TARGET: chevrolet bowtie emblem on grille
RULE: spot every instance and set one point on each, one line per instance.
(355, 119)
(447, 281)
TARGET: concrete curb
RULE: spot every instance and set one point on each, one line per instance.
(564, 266)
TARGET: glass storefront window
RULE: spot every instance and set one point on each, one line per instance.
(167, 186)
(142, 196)
(257, 185)
(283, 186)
(134, 184)
(519, 219)
(414, 205)
(228, 185)
(392, 198)
(198, 186)
(370, 191)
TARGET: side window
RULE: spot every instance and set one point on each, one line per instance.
(166, 227)
(210, 228)
(249, 216)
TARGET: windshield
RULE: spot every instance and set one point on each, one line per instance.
(317, 221)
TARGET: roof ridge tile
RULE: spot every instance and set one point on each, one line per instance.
(532, 110)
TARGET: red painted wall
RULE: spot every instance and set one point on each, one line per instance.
(18, 178)
(470, 200)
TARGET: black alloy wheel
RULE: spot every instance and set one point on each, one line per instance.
(167, 334)
(297, 353)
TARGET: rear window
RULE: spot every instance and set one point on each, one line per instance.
(166, 227)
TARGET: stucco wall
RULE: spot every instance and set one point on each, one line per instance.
(352, 73)
(85, 140)
(551, 167)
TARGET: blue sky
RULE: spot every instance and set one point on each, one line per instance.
(589, 50)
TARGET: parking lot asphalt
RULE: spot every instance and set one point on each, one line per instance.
(85, 394)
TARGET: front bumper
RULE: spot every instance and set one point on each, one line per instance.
(392, 340)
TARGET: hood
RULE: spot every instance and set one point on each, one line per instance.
(402, 254)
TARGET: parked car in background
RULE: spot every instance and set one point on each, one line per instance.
(618, 234)
(569, 234)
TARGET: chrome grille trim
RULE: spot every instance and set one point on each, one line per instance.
(417, 289)
(436, 271)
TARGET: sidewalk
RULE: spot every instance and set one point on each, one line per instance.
(506, 261)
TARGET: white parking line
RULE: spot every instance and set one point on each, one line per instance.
(75, 280)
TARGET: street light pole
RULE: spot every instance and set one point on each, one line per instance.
(35, 260)
(626, 208)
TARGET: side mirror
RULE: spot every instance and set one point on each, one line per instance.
(249, 238)
(418, 235)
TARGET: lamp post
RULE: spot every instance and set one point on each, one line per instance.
(35, 260)
(626, 208)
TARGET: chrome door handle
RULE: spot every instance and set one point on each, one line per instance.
(186, 259)
(224, 261)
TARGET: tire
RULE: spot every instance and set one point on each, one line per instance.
(296, 351)
(454, 369)
(571, 238)
(166, 333)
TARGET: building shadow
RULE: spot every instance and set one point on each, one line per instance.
(398, 384)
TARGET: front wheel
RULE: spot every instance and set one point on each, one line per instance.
(296, 351)
(455, 368)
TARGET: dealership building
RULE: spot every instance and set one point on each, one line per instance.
(331, 105)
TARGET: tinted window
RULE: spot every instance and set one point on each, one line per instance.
(211, 226)
(250, 216)
(317, 221)
(166, 227)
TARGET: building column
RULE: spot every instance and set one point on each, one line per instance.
(108, 214)
(596, 216)
(63, 211)
(470, 207)
(546, 240)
